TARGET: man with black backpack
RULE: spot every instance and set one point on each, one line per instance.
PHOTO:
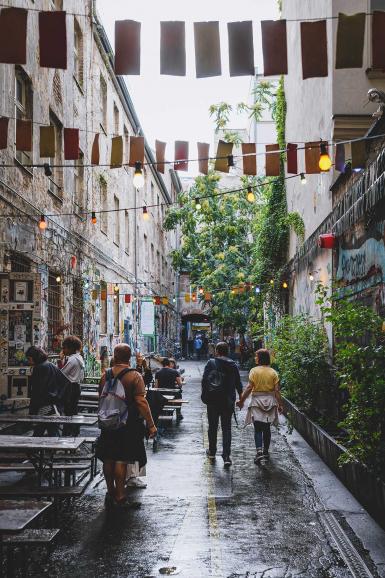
(220, 382)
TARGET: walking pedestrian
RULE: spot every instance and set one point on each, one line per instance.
(48, 388)
(198, 346)
(265, 403)
(73, 369)
(121, 441)
(220, 382)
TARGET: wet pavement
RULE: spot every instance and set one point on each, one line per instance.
(203, 520)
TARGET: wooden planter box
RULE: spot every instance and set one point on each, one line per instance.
(367, 488)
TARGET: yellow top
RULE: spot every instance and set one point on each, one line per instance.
(263, 378)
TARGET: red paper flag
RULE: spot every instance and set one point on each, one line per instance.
(13, 36)
(53, 39)
(314, 49)
(249, 161)
(71, 144)
(127, 298)
(157, 300)
(312, 155)
(207, 49)
(181, 153)
(172, 48)
(95, 154)
(378, 44)
(241, 48)
(273, 164)
(203, 156)
(160, 149)
(136, 150)
(23, 135)
(127, 47)
(274, 47)
(292, 160)
(4, 132)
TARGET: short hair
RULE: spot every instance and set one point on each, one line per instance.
(122, 353)
(37, 354)
(73, 343)
(222, 348)
(263, 357)
(165, 362)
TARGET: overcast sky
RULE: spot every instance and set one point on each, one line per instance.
(173, 108)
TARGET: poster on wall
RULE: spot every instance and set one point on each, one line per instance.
(147, 318)
(21, 291)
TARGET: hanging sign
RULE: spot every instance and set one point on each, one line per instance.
(147, 318)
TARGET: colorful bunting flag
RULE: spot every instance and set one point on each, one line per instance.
(13, 35)
(224, 150)
(71, 144)
(312, 156)
(241, 48)
(207, 49)
(181, 153)
(194, 298)
(292, 159)
(47, 142)
(165, 300)
(359, 154)
(127, 298)
(127, 47)
(273, 164)
(116, 152)
(95, 153)
(53, 39)
(172, 48)
(187, 297)
(23, 135)
(4, 132)
(249, 161)
(274, 47)
(136, 150)
(160, 149)
(203, 156)
(378, 44)
(340, 158)
(314, 49)
(350, 40)
(157, 300)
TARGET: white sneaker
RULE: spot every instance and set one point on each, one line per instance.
(135, 483)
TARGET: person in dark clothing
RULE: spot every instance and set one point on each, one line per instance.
(48, 386)
(220, 407)
(166, 377)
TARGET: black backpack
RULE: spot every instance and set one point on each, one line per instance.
(214, 389)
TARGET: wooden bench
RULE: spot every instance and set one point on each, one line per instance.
(42, 492)
(31, 536)
(26, 467)
(23, 541)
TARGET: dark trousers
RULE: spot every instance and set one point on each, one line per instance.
(215, 413)
(262, 435)
(71, 408)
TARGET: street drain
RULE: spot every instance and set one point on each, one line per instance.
(348, 552)
(169, 571)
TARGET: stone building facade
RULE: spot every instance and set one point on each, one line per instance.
(336, 108)
(91, 279)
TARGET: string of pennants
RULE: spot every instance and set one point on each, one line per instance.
(207, 42)
(224, 159)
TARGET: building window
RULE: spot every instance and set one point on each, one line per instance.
(103, 309)
(116, 221)
(103, 104)
(374, 5)
(23, 109)
(116, 313)
(55, 182)
(127, 231)
(78, 53)
(116, 120)
(54, 310)
(77, 308)
(126, 137)
(104, 205)
(79, 182)
(20, 264)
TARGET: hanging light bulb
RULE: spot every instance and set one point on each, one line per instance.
(257, 289)
(303, 179)
(271, 281)
(173, 300)
(86, 284)
(116, 288)
(138, 179)
(58, 279)
(311, 276)
(42, 223)
(47, 170)
(325, 162)
(250, 195)
(285, 285)
(230, 161)
(198, 205)
(93, 218)
(146, 214)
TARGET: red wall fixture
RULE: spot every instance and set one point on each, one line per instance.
(327, 241)
(73, 262)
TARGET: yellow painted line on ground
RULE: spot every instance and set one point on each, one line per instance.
(215, 544)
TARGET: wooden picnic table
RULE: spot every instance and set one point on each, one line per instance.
(167, 390)
(55, 419)
(40, 449)
(16, 515)
(93, 395)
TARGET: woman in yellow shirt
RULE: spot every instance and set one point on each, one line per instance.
(265, 403)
